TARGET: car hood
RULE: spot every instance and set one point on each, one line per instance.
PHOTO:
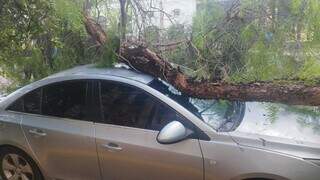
(287, 129)
(286, 146)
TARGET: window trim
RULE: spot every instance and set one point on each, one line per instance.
(197, 131)
(201, 134)
(22, 99)
(87, 97)
(87, 100)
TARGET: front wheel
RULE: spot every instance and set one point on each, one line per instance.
(16, 165)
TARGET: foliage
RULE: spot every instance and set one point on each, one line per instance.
(151, 35)
(70, 11)
(287, 52)
(40, 37)
(108, 55)
(234, 41)
(203, 33)
(258, 40)
(35, 41)
(310, 71)
(179, 54)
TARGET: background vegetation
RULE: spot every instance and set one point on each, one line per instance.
(248, 40)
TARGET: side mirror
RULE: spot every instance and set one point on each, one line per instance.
(172, 133)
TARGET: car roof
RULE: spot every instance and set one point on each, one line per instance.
(119, 70)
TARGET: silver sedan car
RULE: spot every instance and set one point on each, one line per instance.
(93, 123)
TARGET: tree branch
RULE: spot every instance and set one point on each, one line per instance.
(144, 60)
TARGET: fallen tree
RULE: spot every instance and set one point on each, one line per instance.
(143, 59)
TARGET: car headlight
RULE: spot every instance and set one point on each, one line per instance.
(314, 161)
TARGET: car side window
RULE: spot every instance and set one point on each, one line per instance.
(163, 115)
(125, 105)
(29, 103)
(65, 99)
(17, 106)
(32, 102)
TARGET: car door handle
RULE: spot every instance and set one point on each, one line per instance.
(112, 147)
(37, 132)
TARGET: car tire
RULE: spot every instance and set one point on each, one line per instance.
(14, 162)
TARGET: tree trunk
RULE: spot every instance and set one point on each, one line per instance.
(123, 18)
(95, 31)
(144, 60)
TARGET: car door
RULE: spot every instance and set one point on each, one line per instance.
(126, 138)
(59, 130)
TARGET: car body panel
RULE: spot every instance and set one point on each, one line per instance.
(91, 69)
(10, 131)
(67, 151)
(287, 130)
(299, 124)
(12, 135)
(142, 157)
(281, 145)
(225, 159)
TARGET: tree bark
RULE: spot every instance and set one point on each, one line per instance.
(144, 60)
(95, 31)
(123, 18)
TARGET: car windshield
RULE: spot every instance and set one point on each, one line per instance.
(300, 123)
(221, 115)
